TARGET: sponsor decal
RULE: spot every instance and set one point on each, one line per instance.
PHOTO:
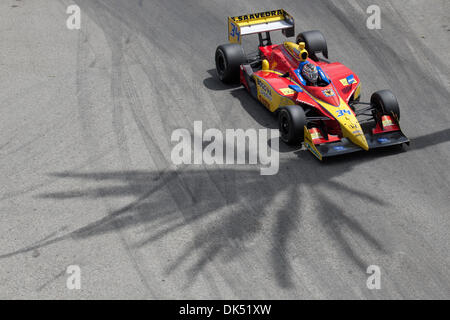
(235, 32)
(348, 81)
(264, 90)
(342, 112)
(387, 122)
(287, 91)
(353, 125)
(317, 154)
(339, 148)
(315, 133)
(259, 15)
(328, 92)
(383, 140)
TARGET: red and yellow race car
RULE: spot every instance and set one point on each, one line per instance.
(317, 101)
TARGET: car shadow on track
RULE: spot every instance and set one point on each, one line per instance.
(430, 139)
(213, 83)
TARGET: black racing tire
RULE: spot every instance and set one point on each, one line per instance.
(228, 59)
(291, 122)
(385, 102)
(314, 43)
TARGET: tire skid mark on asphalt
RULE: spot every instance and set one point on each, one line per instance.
(150, 77)
(435, 62)
(225, 192)
(31, 142)
(141, 121)
(386, 58)
(93, 146)
(224, 196)
(49, 181)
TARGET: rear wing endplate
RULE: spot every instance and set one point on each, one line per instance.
(240, 26)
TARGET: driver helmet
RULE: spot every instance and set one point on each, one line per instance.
(310, 73)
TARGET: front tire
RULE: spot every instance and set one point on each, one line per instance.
(229, 58)
(385, 102)
(291, 122)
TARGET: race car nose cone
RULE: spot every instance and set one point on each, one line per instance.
(360, 141)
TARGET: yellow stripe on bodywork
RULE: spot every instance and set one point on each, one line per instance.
(280, 74)
(357, 92)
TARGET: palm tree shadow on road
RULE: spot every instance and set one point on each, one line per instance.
(226, 207)
(211, 203)
(236, 216)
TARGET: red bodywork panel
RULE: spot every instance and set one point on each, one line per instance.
(387, 124)
(336, 72)
(282, 61)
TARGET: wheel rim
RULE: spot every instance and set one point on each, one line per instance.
(284, 126)
(221, 63)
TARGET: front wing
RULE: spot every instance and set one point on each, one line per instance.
(344, 145)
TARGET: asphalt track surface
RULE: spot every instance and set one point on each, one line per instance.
(86, 177)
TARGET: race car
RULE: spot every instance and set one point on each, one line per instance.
(316, 100)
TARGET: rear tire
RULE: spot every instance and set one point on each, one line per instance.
(228, 58)
(314, 43)
(385, 102)
(291, 122)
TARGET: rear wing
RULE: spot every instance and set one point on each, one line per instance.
(259, 23)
